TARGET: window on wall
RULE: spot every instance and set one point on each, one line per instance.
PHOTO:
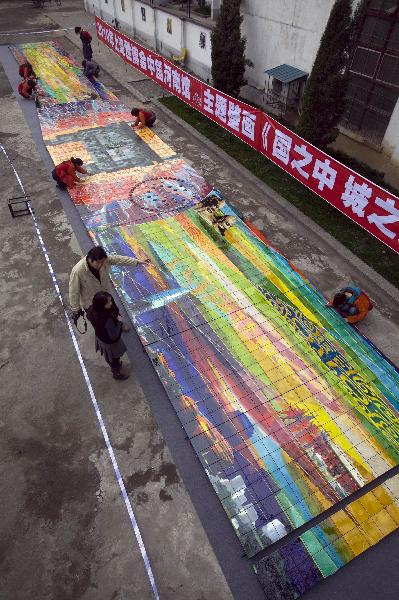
(365, 61)
(388, 6)
(169, 25)
(123, 5)
(389, 69)
(143, 17)
(374, 31)
(393, 42)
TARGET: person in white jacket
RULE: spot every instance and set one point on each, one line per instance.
(91, 275)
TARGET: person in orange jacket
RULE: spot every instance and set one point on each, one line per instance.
(352, 304)
(65, 173)
(26, 88)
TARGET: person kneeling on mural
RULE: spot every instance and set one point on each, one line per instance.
(352, 304)
(144, 118)
(27, 88)
(65, 173)
(26, 71)
(108, 326)
(91, 69)
(91, 275)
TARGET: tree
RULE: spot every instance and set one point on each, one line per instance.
(324, 95)
(228, 49)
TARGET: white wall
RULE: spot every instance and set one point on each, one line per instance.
(198, 59)
(153, 31)
(145, 30)
(169, 43)
(282, 31)
(277, 31)
(124, 17)
(390, 143)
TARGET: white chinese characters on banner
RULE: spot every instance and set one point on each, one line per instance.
(167, 75)
(128, 51)
(281, 146)
(234, 116)
(151, 65)
(186, 87)
(208, 101)
(143, 60)
(248, 125)
(159, 70)
(135, 55)
(356, 196)
(109, 36)
(176, 81)
(221, 108)
(324, 174)
(265, 134)
(306, 159)
(119, 45)
(381, 221)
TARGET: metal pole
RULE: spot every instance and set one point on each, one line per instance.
(189, 8)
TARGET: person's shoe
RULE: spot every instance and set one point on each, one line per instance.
(120, 376)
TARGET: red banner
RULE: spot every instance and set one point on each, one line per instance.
(369, 205)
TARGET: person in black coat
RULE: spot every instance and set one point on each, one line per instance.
(108, 326)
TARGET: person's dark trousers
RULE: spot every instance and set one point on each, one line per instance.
(87, 51)
(60, 183)
(151, 120)
(115, 365)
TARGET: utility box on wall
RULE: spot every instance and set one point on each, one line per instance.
(284, 87)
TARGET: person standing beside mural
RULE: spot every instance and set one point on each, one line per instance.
(85, 38)
(91, 275)
(108, 326)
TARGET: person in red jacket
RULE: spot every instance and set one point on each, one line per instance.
(65, 173)
(26, 88)
(144, 118)
(85, 38)
(26, 71)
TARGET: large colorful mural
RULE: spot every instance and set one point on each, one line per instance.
(288, 408)
(296, 567)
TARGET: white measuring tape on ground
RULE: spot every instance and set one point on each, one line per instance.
(117, 472)
(27, 32)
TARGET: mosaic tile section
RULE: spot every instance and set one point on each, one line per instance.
(288, 408)
(297, 567)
